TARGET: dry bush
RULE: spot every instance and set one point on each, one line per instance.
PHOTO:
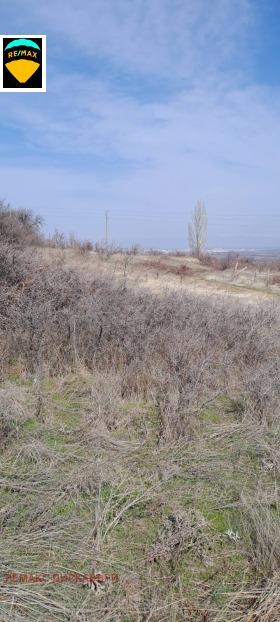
(156, 253)
(57, 240)
(182, 270)
(213, 262)
(178, 254)
(14, 265)
(260, 395)
(84, 247)
(170, 347)
(107, 250)
(260, 264)
(60, 240)
(230, 259)
(181, 532)
(161, 266)
(247, 261)
(274, 280)
(19, 227)
(157, 264)
(161, 361)
(135, 249)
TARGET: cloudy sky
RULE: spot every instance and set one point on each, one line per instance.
(151, 105)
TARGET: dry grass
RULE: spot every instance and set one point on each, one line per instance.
(158, 272)
(137, 431)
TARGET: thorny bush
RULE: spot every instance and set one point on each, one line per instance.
(170, 347)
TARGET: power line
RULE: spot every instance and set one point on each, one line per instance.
(170, 220)
(156, 216)
(162, 215)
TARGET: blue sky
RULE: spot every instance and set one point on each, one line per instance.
(151, 105)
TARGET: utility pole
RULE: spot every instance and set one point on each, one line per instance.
(106, 229)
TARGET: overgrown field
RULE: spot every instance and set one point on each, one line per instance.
(140, 439)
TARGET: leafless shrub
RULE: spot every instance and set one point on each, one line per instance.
(156, 264)
(61, 241)
(229, 261)
(261, 394)
(156, 253)
(178, 254)
(152, 366)
(260, 265)
(182, 270)
(14, 265)
(274, 280)
(213, 262)
(161, 266)
(135, 249)
(181, 532)
(107, 250)
(247, 261)
(168, 404)
(57, 240)
(85, 247)
(80, 246)
(19, 227)
(160, 345)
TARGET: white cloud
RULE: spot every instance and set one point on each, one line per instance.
(174, 38)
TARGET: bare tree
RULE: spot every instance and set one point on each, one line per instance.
(197, 229)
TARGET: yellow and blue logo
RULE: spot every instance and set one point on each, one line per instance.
(24, 60)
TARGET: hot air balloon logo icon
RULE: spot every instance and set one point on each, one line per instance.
(22, 58)
(24, 63)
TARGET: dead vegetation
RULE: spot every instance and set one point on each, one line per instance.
(180, 270)
(140, 437)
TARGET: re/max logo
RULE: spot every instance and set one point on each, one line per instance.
(23, 63)
(16, 53)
